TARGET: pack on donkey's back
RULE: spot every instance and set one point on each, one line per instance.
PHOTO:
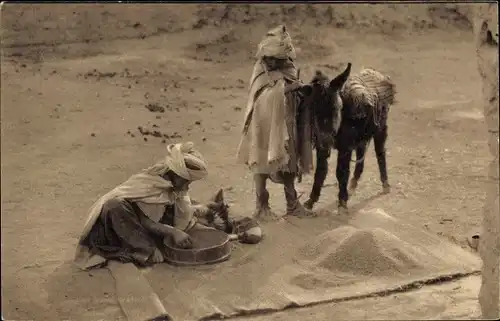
(366, 98)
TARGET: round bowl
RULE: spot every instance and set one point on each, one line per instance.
(209, 246)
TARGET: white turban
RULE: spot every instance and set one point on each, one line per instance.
(277, 43)
(179, 157)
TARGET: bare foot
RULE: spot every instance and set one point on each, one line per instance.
(300, 211)
(309, 204)
(386, 188)
(156, 257)
(265, 214)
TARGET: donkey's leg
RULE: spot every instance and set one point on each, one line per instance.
(343, 171)
(379, 139)
(322, 156)
(293, 206)
(360, 165)
(262, 211)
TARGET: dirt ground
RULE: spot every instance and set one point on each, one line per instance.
(78, 81)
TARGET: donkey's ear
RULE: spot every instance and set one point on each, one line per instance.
(306, 90)
(339, 81)
(219, 196)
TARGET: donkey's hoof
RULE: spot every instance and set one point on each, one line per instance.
(353, 185)
(342, 207)
(266, 215)
(386, 188)
(309, 204)
(342, 210)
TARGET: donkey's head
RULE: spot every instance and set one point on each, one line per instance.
(322, 97)
(218, 214)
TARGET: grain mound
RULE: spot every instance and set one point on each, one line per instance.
(323, 243)
(369, 252)
(372, 252)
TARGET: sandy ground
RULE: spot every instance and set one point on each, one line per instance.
(76, 83)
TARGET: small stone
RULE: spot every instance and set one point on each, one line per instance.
(226, 126)
(155, 108)
(93, 135)
(204, 139)
(164, 141)
(145, 139)
(197, 122)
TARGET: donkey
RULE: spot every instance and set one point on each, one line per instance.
(366, 98)
(215, 214)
